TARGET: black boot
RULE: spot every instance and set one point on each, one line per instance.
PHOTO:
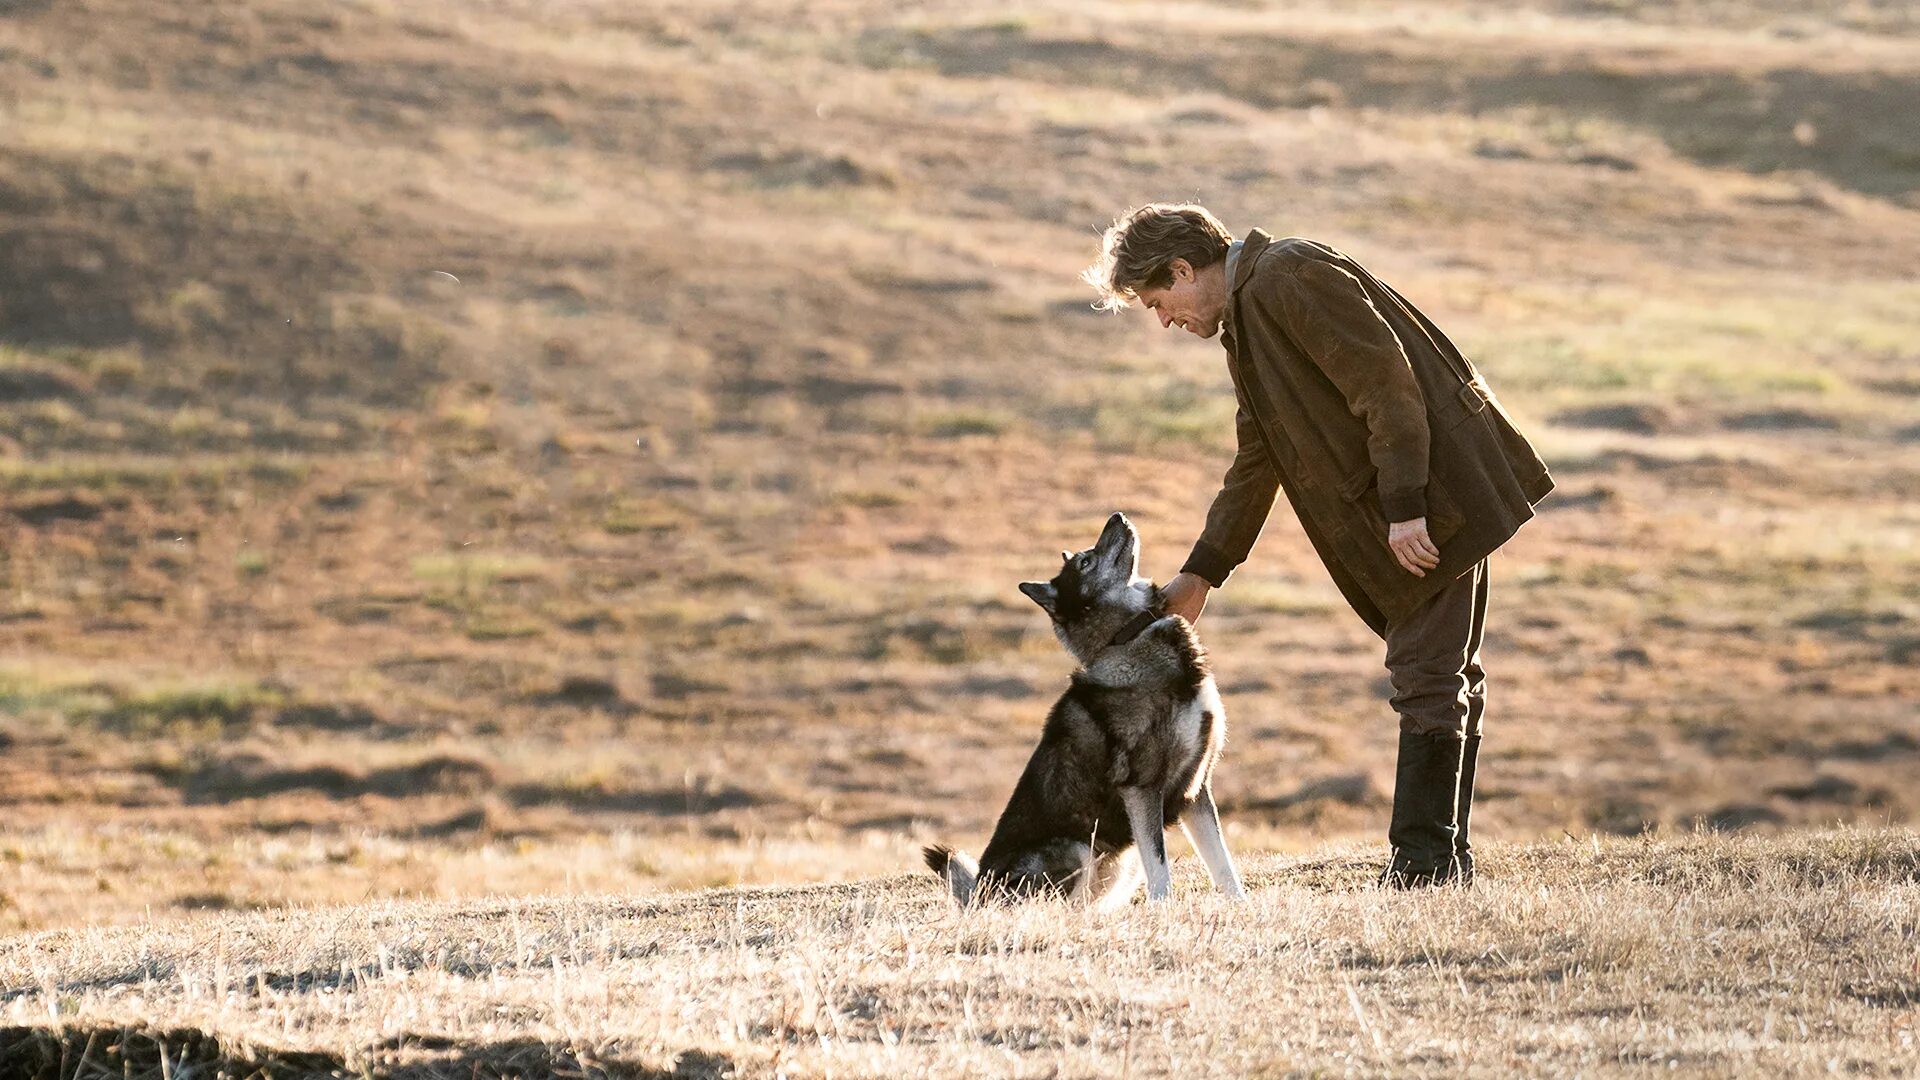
(1462, 847)
(1426, 790)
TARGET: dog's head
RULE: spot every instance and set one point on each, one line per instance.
(1057, 869)
(1096, 591)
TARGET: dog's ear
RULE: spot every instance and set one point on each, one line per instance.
(1042, 593)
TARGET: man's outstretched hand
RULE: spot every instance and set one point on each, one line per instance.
(1186, 596)
(1412, 546)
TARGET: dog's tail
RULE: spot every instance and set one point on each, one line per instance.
(961, 872)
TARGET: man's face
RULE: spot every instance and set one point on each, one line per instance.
(1194, 302)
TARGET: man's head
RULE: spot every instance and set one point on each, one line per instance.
(1171, 258)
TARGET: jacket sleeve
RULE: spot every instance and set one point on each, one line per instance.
(1328, 313)
(1239, 510)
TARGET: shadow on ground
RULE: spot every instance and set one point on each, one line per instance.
(32, 1053)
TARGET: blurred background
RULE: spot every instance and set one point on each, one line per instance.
(451, 447)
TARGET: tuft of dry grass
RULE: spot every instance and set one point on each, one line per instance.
(1704, 956)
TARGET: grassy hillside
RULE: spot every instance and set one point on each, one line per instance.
(455, 449)
(1752, 956)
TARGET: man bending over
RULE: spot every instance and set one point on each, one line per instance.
(1401, 465)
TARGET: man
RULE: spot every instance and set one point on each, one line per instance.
(1403, 469)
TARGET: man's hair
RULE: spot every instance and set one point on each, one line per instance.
(1136, 251)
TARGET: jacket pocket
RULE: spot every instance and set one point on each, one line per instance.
(1444, 519)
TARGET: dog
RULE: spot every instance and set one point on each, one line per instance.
(1128, 749)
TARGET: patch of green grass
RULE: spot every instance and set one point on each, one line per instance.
(959, 423)
(139, 473)
(1677, 365)
(467, 571)
(278, 471)
(627, 516)
(198, 422)
(206, 707)
(106, 475)
(1745, 352)
(194, 308)
(26, 690)
(467, 415)
(189, 709)
(108, 367)
(1010, 25)
(870, 498)
(52, 415)
(505, 628)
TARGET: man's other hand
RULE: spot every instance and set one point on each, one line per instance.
(1186, 596)
(1412, 546)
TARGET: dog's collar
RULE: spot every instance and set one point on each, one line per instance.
(1134, 627)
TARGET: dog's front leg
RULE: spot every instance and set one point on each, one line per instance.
(1147, 815)
(1202, 824)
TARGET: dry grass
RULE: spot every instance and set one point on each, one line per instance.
(1701, 956)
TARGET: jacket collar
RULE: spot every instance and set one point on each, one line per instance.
(1250, 249)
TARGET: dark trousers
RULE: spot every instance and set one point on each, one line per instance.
(1433, 660)
(1440, 692)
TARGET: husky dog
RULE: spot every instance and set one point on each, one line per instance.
(1128, 750)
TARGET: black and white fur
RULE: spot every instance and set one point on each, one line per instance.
(1128, 750)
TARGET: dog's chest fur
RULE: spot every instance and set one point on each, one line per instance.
(1158, 710)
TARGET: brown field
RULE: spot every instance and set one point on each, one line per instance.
(455, 450)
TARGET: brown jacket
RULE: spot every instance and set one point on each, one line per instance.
(1363, 412)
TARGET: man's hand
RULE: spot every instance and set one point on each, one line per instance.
(1186, 596)
(1412, 546)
